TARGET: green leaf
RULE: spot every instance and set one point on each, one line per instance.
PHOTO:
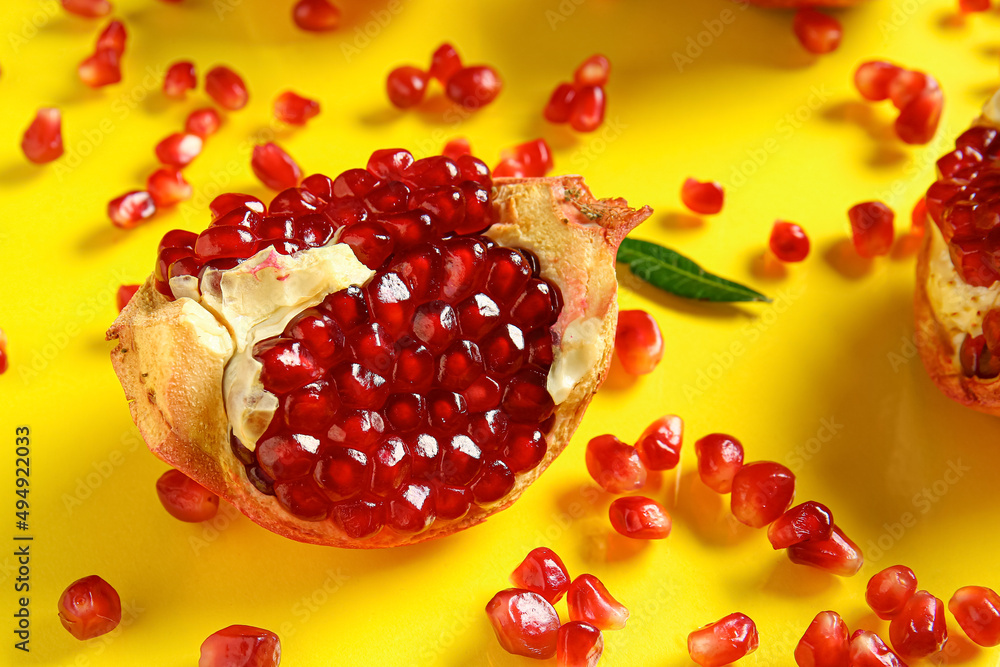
(675, 273)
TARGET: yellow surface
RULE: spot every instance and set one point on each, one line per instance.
(825, 379)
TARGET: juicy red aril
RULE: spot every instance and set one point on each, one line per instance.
(274, 167)
(203, 122)
(179, 79)
(789, 242)
(890, 589)
(542, 572)
(868, 650)
(918, 218)
(589, 105)
(638, 342)
(100, 68)
(560, 104)
(90, 9)
(524, 623)
(919, 629)
(639, 518)
(225, 241)
(90, 607)
(579, 644)
(316, 15)
(968, 6)
(241, 646)
(720, 457)
(131, 209)
(615, 465)
(589, 601)
(229, 202)
(871, 228)
(3, 350)
(294, 109)
(42, 141)
(761, 492)
(918, 120)
(659, 446)
(535, 157)
(816, 31)
(124, 295)
(837, 554)
(113, 37)
(406, 86)
(991, 330)
(727, 640)
(509, 167)
(593, 71)
(456, 148)
(445, 61)
(977, 610)
(705, 198)
(907, 85)
(227, 88)
(826, 642)
(387, 164)
(976, 359)
(873, 78)
(179, 149)
(186, 499)
(474, 87)
(167, 187)
(808, 521)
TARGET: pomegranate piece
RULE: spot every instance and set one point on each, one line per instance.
(761, 492)
(639, 518)
(615, 465)
(589, 601)
(241, 646)
(873, 78)
(727, 640)
(186, 499)
(456, 148)
(203, 122)
(589, 105)
(890, 589)
(179, 149)
(445, 61)
(702, 197)
(294, 109)
(977, 610)
(837, 555)
(316, 15)
(871, 228)
(638, 342)
(720, 457)
(808, 521)
(42, 141)
(542, 572)
(406, 86)
(593, 71)
(131, 209)
(789, 242)
(124, 295)
(868, 650)
(579, 644)
(659, 446)
(817, 32)
(560, 104)
(90, 607)
(826, 642)
(524, 622)
(167, 187)
(90, 9)
(919, 629)
(227, 88)
(474, 87)
(100, 68)
(274, 167)
(179, 79)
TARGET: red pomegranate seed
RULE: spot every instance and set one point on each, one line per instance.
(871, 228)
(725, 641)
(456, 148)
(808, 521)
(907, 85)
(838, 554)
(918, 120)
(131, 209)
(761, 493)
(589, 601)
(873, 78)
(560, 104)
(638, 342)
(640, 518)
(274, 167)
(186, 499)
(720, 457)
(444, 62)
(90, 607)
(579, 644)
(991, 330)
(593, 71)
(241, 646)
(968, 6)
(702, 197)
(868, 650)
(919, 629)
(179, 79)
(42, 141)
(229, 202)
(474, 87)
(227, 88)
(113, 37)
(542, 572)
(818, 32)
(294, 109)
(100, 69)
(509, 167)
(406, 86)
(589, 105)
(90, 9)
(524, 622)
(535, 156)
(826, 642)
(179, 149)
(124, 295)
(203, 122)
(977, 610)
(659, 446)
(615, 465)
(890, 589)
(3, 352)
(316, 15)
(789, 242)
(167, 187)
(919, 218)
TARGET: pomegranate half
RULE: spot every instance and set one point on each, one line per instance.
(377, 359)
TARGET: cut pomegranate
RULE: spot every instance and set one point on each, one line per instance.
(406, 86)
(316, 15)
(227, 88)
(868, 650)
(131, 209)
(873, 78)
(638, 342)
(560, 104)
(100, 69)
(90, 9)
(294, 109)
(761, 492)
(90, 607)
(789, 242)
(659, 446)
(203, 122)
(524, 622)
(274, 167)
(808, 521)
(186, 499)
(639, 518)
(702, 197)
(890, 589)
(167, 187)
(837, 555)
(871, 228)
(542, 572)
(589, 106)
(720, 457)
(113, 37)
(615, 465)
(179, 149)
(579, 644)
(977, 610)
(589, 601)
(817, 32)
(179, 79)
(826, 642)
(241, 646)
(727, 640)
(124, 295)
(42, 141)
(474, 87)
(456, 148)
(919, 629)
(445, 61)
(593, 71)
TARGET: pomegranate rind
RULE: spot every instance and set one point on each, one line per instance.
(172, 376)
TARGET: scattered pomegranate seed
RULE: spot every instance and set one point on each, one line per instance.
(761, 492)
(4, 363)
(274, 167)
(509, 167)
(969, 6)
(534, 157)
(868, 650)
(890, 589)
(524, 622)
(919, 629)
(826, 642)
(837, 555)
(560, 105)
(474, 87)
(186, 499)
(444, 62)
(42, 141)
(615, 465)
(131, 209)
(593, 71)
(90, 9)
(203, 122)
(113, 37)
(638, 342)
(908, 85)
(918, 120)
(873, 78)
(241, 646)
(168, 187)
(316, 15)
(227, 88)
(179, 149)
(818, 32)
(589, 601)
(639, 518)
(542, 572)
(918, 218)
(871, 227)
(90, 607)
(720, 457)
(456, 148)
(294, 109)
(406, 86)
(705, 198)
(808, 521)
(789, 242)
(659, 446)
(100, 69)
(725, 641)
(589, 105)
(179, 79)
(124, 295)
(977, 610)
(579, 644)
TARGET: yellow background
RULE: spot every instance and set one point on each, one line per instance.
(825, 379)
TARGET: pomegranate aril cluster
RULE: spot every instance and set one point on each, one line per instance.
(581, 103)
(916, 95)
(471, 87)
